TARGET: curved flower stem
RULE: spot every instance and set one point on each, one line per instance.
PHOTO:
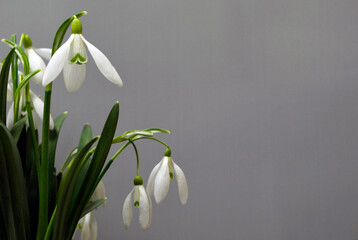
(44, 184)
(120, 150)
(155, 139)
(110, 162)
(136, 153)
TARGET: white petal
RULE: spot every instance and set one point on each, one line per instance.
(145, 209)
(36, 118)
(182, 184)
(74, 75)
(44, 52)
(55, 65)
(36, 63)
(150, 184)
(162, 182)
(89, 230)
(38, 105)
(103, 64)
(52, 124)
(127, 210)
(99, 192)
(10, 117)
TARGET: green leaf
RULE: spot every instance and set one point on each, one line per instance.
(135, 134)
(66, 191)
(4, 76)
(92, 206)
(52, 144)
(61, 32)
(95, 168)
(8, 229)
(20, 52)
(14, 68)
(86, 136)
(25, 80)
(125, 136)
(53, 137)
(11, 173)
(157, 130)
(17, 128)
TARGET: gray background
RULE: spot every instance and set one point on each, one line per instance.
(260, 96)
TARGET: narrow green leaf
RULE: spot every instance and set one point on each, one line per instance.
(53, 138)
(25, 80)
(20, 52)
(61, 32)
(135, 134)
(125, 136)
(66, 190)
(92, 206)
(95, 168)
(6, 209)
(14, 68)
(86, 136)
(157, 130)
(4, 76)
(16, 183)
(17, 128)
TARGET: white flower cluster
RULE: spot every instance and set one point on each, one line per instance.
(158, 185)
(72, 58)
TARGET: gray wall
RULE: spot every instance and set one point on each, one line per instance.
(260, 96)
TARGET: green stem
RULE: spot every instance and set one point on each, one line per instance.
(50, 225)
(136, 153)
(32, 128)
(21, 39)
(119, 151)
(44, 185)
(110, 162)
(155, 139)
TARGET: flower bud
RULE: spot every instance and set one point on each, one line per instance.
(76, 27)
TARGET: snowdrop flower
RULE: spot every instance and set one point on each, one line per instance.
(88, 225)
(99, 193)
(139, 197)
(72, 58)
(162, 174)
(35, 61)
(37, 112)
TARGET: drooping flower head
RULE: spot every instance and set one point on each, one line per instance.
(35, 61)
(72, 58)
(88, 225)
(140, 199)
(162, 174)
(37, 111)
